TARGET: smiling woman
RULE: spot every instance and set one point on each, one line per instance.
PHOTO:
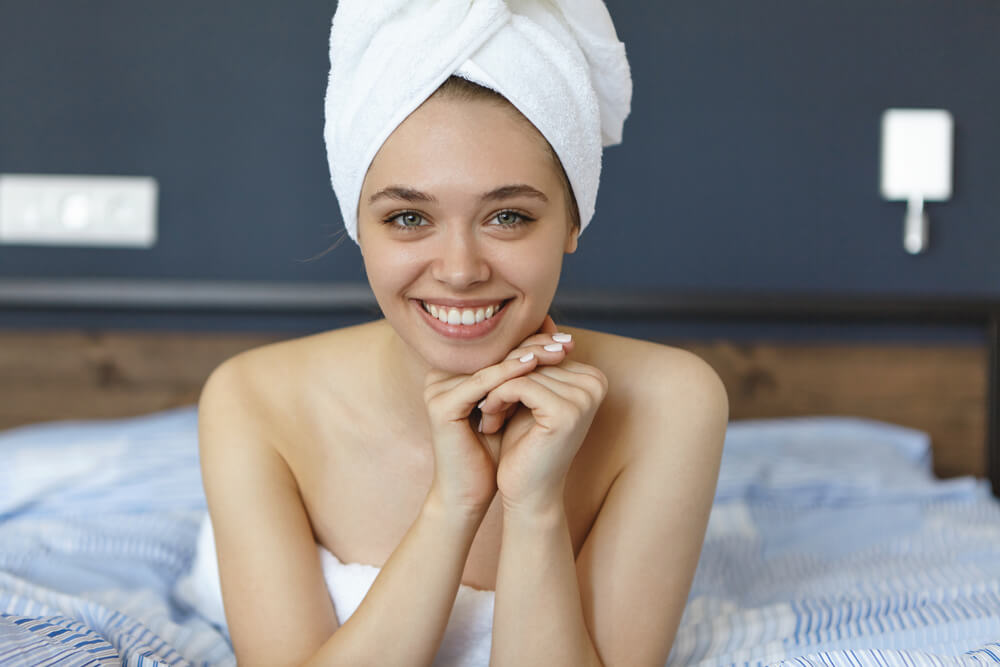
(488, 228)
(494, 488)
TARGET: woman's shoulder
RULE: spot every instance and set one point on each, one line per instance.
(653, 389)
(286, 376)
(643, 366)
(319, 353)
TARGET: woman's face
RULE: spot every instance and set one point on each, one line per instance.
(462, 224)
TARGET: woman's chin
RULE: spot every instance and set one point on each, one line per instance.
(465, 362)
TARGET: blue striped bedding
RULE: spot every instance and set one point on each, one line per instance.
(829, 543)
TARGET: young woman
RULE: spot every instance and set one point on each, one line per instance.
(465, 440)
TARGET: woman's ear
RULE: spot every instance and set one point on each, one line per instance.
(571, 241)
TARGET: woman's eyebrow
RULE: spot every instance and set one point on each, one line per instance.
(510, 191)
(404, 193)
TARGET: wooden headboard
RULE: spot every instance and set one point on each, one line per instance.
(945, 389)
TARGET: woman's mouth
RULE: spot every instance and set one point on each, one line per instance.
(464, 316)
(465, 322)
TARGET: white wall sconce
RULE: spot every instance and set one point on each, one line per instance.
(916, 165)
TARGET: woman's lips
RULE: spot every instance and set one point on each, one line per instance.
(461, 331)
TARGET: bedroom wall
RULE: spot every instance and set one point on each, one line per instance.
(750, 160)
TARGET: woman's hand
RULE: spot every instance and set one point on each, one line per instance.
(549, 348)
(465, 458)
(553, 407)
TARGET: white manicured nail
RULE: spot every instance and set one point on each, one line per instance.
(480, 406)
(528, 357)
(554, 347)
(562, 338)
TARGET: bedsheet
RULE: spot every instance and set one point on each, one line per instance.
(829, 543)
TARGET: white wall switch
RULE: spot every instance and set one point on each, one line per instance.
(56, 210)
(916, 165)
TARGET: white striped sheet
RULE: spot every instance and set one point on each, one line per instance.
(820, 461)
(936, 586)
(136, 623)
(756, 599)
(987, 655)
(139, 464)
(104, 548)
(54, 640)
(96, 552)
(709, 629)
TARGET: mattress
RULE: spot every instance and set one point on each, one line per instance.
(830, 542)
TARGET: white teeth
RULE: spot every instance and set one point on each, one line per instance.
(465, 317)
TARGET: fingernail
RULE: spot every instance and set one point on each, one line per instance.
(562, 338)
(480, 406)
(554, 347)
(528, 357)
(480, 427)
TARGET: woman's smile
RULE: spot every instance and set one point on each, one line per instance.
(461, 320)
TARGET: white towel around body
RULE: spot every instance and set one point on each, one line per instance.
(466, 641)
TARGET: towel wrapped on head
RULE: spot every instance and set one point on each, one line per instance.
(559, 62)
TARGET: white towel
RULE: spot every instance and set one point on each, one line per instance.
(558, 61)
(466, 641)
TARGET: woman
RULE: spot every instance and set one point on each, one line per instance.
(465, 441)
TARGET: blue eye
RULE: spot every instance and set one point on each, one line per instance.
(406, 220)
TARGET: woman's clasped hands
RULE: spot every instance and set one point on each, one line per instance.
(513, 427)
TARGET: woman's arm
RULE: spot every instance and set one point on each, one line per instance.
(277, 605)
(404, 615)
(538, 617)
(620, 602)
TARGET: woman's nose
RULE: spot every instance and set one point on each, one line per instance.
(460, 262)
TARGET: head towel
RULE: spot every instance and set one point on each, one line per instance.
(558, 61)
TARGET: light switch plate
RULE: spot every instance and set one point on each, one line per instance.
(917, 154)
(58, 210)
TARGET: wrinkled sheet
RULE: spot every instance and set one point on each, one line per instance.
(829, 543)
(98, 519)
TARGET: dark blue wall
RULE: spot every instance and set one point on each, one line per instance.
(750, 160)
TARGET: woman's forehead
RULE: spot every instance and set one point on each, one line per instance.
(459, 140)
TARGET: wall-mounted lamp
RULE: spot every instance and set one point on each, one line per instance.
(916, 165)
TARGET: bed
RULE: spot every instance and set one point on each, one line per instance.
(831, 540)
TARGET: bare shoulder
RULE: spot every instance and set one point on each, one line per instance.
(282, 392)
(279, 369)
(325, 349)
(646, 372)
(664, 404)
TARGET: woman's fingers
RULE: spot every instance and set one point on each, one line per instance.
(577, 383)
(588, 378)
(545, 352)
(452, 398)
(556, 406)
(548, 335)
(549, 347)
(493, 421)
